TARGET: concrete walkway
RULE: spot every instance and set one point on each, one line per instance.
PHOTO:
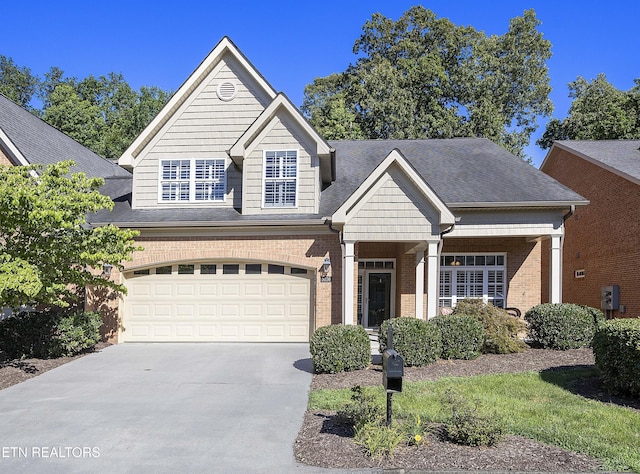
(160, 408)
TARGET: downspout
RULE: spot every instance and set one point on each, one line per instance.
(572, 209)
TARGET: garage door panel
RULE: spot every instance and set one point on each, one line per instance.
(217, 307)
(162, 289)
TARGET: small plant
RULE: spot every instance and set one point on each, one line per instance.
(563, 326)
(378, 440)
(415, 431)
(466, 426)
(362, 409)
(338, 348)
(616, 346)
(501, 330)
(418, 342)
(462, 336)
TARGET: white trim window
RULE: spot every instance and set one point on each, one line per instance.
(472, 276)
(192, 180)
(280, 178)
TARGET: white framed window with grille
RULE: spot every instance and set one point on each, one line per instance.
(280, 178)
(472, 276)
(192, 180)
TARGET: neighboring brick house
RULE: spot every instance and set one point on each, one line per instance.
(257, 229)
(602, 240)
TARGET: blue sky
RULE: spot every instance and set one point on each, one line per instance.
(293, 42)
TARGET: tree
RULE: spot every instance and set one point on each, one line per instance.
(424, 77)
(103, 113)
(47, 249)
(16, 83)
(599, 111)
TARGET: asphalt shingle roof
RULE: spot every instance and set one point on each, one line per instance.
(621, 155)
(40, 143)
(462, 171)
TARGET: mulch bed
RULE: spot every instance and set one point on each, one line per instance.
(321, 443)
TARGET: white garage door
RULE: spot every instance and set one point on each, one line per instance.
(217, 302)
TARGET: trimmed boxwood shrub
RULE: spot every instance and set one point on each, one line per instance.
(418, 342)
(563, 326)
(338, 348)
(616, 346)
(47, 334)
(462, 336)
(501, 330)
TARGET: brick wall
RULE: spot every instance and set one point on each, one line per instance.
(4, 158)
(603, 238)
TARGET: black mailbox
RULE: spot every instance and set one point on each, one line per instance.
(392, 370)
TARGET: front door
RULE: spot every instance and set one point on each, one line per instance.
(378, 301)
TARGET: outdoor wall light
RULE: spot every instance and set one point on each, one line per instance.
(106, 270)
(326, 264)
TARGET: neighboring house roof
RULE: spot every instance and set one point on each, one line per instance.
(463, 173)
(621, 157)
(28, 139)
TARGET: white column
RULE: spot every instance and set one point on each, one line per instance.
(348, 250)
(555, 269)
(419, 284)
(433, 280)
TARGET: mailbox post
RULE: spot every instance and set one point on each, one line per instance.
(392, 371)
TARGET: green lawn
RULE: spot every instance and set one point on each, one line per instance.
(534, 405)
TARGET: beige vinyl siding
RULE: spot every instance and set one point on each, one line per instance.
(282, 134)
(203, 127)
(392, 210)
(507, 222)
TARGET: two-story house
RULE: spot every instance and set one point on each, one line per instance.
(255, 228)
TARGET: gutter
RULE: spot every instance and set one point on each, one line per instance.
(248, 223)
(572, 209)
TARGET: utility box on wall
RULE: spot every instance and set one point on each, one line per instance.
(609, 297)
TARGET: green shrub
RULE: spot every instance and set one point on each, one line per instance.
(466, 426)
(462, 336)
(46, 334)
(362, 409)
(616, 346)
(418, 342)
(563, 326)
(501, 330)
(75, 333)
(338, 348)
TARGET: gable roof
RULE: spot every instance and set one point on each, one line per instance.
(621, 157)
(394, 157)
(33, 141)
(463, 172)
(282, 102)
(225, 46)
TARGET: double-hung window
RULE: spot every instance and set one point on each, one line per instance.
(280, 178)
(472, 276)
(192, 180)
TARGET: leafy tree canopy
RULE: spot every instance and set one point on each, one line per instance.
(425, 77)
(103, 113)
(598, 111)
(16, 83)
(46, 247)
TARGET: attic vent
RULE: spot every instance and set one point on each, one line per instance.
(226, 91)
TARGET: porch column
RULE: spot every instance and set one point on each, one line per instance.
(433, 280)
(348, 250)
(419, 284)
(555, 269)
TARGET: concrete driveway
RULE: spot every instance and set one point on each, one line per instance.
(160, 408)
